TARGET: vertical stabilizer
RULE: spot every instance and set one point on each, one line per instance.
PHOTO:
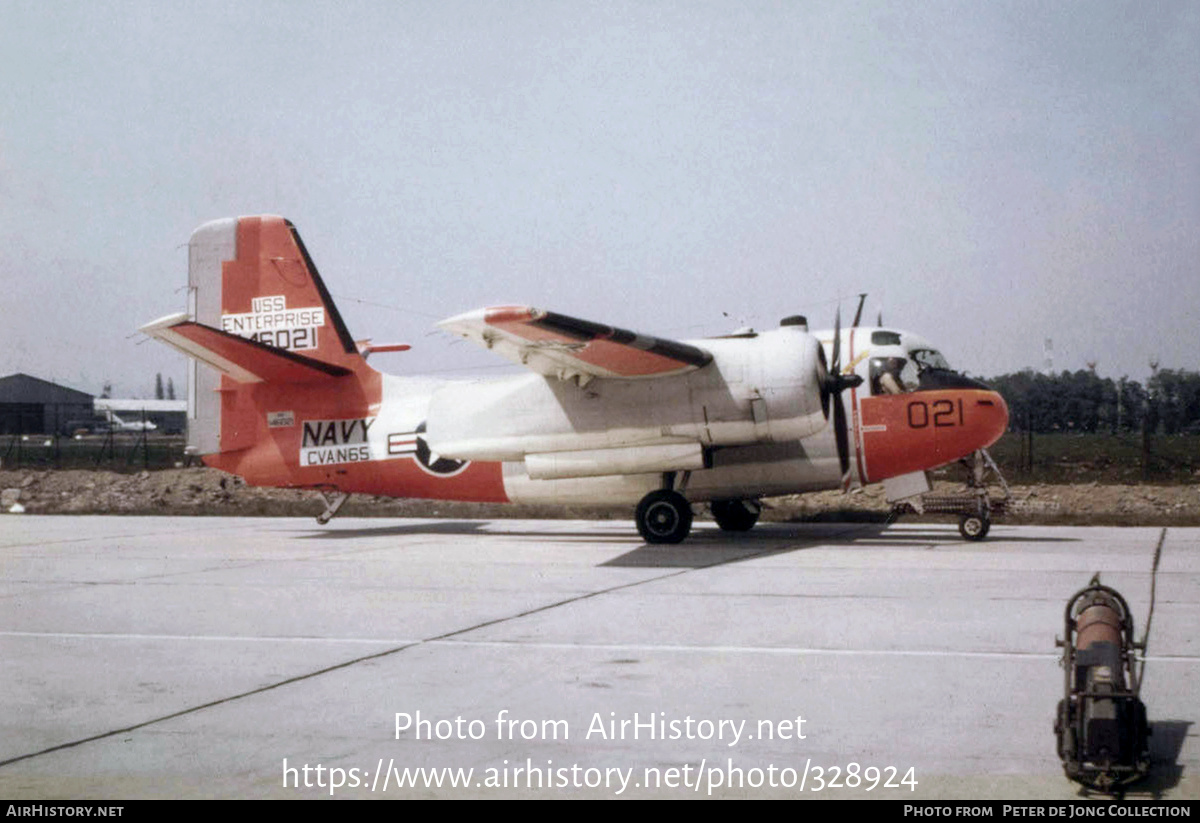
(252, 278)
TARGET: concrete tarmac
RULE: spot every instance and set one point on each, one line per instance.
(274, 658)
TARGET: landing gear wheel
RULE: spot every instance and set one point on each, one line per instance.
(974, 526)
(664, 516)
(736, 515)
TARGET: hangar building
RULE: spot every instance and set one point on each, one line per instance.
(29, 405)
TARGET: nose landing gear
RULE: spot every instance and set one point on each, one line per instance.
(975, 526)
(973, 505)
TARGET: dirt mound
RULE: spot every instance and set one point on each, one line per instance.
(202, 491)
(1080, 504)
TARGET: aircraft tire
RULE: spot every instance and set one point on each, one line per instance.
(974, 526)
(664, 516)
(735, 515)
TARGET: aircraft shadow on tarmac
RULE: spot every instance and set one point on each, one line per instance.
(704, 534)
(471, 528)
(463, 527)
(707, 546)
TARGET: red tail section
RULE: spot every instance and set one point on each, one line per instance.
(288, 400)
(262, 318)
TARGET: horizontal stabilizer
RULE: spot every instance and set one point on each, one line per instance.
(244, 360)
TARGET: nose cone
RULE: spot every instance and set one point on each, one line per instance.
(990, 419)
(921, 430)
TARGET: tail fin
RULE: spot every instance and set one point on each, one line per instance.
(258, 312)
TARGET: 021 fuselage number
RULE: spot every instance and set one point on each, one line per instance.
(945, 413)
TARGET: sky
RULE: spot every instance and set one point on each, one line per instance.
(991, 174)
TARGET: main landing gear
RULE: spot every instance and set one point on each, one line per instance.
(665, 516)
(736, 515)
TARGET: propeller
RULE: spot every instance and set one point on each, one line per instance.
(832, 386)
(862, 299)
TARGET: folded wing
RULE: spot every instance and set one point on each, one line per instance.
(567, 348)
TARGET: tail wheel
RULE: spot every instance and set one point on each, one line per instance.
(974, 526)
(664, 516)
(736, 515)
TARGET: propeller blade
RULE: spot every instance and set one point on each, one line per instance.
(843, 438)
(823, 380)
(835, 366)
(833, 386)
(836, 381)
(862, 298)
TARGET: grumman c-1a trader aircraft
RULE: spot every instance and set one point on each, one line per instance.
(604, 414)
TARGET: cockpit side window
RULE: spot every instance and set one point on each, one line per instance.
(887, 375)
(880, 337)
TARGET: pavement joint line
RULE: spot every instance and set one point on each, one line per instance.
(647, 647)
(375, 656)
(210, 704)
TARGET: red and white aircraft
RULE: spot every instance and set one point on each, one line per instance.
(604, 414)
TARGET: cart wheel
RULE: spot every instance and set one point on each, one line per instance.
(974, 526)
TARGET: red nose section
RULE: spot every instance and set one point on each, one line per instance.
(905, 433)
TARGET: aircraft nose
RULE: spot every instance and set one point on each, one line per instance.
(921, 430)
(990, 417)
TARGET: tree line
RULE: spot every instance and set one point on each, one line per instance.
(1082, 401)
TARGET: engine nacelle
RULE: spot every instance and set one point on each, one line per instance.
(759, 389)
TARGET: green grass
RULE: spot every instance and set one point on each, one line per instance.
(1100, 458)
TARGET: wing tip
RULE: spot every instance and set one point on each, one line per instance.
(162, 323)
(491, 316)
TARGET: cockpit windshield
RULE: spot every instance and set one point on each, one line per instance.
(922, 370)
(929, 359)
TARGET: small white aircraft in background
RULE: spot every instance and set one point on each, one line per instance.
(119, 425)
(604, 414)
